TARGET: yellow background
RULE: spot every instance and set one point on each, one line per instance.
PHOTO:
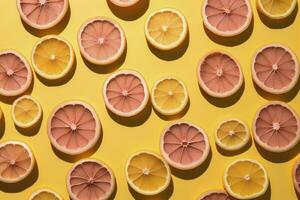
(121, 140)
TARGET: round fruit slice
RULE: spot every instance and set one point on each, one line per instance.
(124, 3)
(184, 146)
(42, 14)
(74, 127)
(26, 111)
(276, 9)
(15, 73)
(147, 173)
(169, 96)
(45, 194)
(52, 57)
(276, 127)
(16, 161)
(101, 40)
(227, 18)
(246, 179)
(166, 29)
(296, 176)
(214, 195)
(90, 179)
(220, 75)
(232, 135)
(275, 69)
(125, 93)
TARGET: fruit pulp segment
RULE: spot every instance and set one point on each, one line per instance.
(276, 7)
(26, 111)
(231, 133)
(45, 196)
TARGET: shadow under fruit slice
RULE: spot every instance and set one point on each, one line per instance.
(45, 194)
(125, 3)
(16, 161)
(276, 9)
(214, 195)
(101, 41)
(74, 127)
(296, 176)
(147, 173)
(184, 146)
(275, 69)
(42, 14)
(219, 75)
(90, 180)
(276, 127)
(125, 93)
(15, 73)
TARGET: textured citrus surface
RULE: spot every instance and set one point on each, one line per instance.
(26, 110)
(45, 195)
(276, 7)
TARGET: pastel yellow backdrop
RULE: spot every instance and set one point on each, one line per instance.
(121, 140)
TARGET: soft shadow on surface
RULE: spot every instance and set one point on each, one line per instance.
(266, 196)
(236, 152)
(113, 195)
(31, 131)
(2, 125)
(297, 194)
(174, 117)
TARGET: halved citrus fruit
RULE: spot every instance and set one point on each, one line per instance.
(45, 194)
(26, 111)
(296, 176)
(227, 18)
(147, 173)
(246, 179)
(214, 195)
(15, 73)
(101, 40)
(232, 135)
(276, 127)
(169, 96)
(52, 57)
(74, 127)
(125, 93)
(276, 9)
(90, 179)
(275, 69)
(124, 3)
(220, 75)
(42, 14)
(16, 161)
(166, 29)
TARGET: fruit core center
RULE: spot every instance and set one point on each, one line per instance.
(125, 93)
(91, 181)
(73, 127)
(219, 72)
(164, 28)
(9, 72)
(170, 93)
(226, 11)
(42, 2)
(231, 132)
(52, 57)
(101, 40)
(12, 162)
(146, 171)
(185, 144)
(276, 126)
(275, 67)
(247, 177)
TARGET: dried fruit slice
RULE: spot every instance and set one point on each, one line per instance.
(42, 14)
(296, 176)
(16, 161)
(220, 75)
(226, 18)
(276, 127)
(74, 127)
(166, 29)
(125, 93)
(214, 195)
(246, 179)
(169, 96)
(276, 9)
(275, 69)
(147, 173)
(15, 73)
(101, 40)
(184, 146)
(45, 194)
(125, 3)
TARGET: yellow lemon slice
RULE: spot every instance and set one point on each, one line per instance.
(45, 194)
(276, 9)
(166, 29)
(246, 179)
(52, 57)
(147, 173)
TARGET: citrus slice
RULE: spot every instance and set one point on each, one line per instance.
(214, 195)
(184, 146)
(124, 3)
(26, 111)
(169, 96)
(101, 40)
(125, 93)
(90, 179)
(15, 73)
(246, 179)
(276, 127)
(52, 57)
(45, 194)
(227, 18)
(16, 161)
(147, 173)
(296, 176)
(275, 69)
(232, 135)
(74, 127)
(276, 9)
(220, 75)
(42, 14)
(166, 29)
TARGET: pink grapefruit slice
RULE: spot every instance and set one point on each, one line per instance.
(276, 127)
(125, 93)
(90, 180)
(125, 3)
(296, 176)
(42, 14)
(74, 127)
(214, 195)
(275, 69)
(220, 75)
(101, 40)
(45, 194)
(16, 161)
(184, 146)
(15, 73)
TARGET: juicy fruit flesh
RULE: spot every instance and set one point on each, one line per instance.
(45, 196)
(26, 111)
(276, 7)
(231, 133)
